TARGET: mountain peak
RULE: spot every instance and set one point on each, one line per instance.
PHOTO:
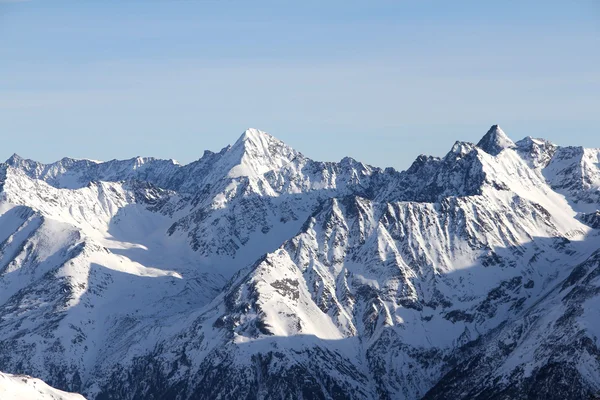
(254, 141)
(460, 148)
(495, 140)
(257, 152)
(14, 159)
(253, 135)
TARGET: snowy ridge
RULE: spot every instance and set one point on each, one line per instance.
(256, 271)
(495, 140)
(24, 387)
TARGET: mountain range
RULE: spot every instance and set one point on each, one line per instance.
(259, 273)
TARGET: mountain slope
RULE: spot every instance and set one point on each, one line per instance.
(549, 352)
(256, 272)
(27, 388)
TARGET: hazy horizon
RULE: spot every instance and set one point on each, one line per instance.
(381, 82)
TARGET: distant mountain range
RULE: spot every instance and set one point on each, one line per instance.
(258, 273)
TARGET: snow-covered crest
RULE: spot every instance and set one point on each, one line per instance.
(258, 270)
(495, 140)
(23, 387)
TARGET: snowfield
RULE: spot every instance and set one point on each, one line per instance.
(22, 387)
(256, 272)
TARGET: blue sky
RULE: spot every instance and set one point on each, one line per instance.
(381, 81)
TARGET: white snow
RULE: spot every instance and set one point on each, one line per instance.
(341, 255)
(23, 387)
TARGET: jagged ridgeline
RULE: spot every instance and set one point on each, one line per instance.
(258, 273)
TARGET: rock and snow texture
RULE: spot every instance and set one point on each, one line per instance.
(495, 140)
(256, 272)
(23, 387)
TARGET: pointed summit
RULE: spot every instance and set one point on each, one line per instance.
(14, 159)
(254, 142)
(254, 135)
(257, 152)
(494, 141)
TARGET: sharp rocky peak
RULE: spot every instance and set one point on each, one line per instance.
(461, 147)
(15, 158)
(257, 152)
(253, 135)
(255, 142)
(495, 140)
(321, 261)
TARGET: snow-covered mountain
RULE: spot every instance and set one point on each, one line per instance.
(23, 387)
(256, 272)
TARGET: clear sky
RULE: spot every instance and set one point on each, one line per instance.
(381, 81)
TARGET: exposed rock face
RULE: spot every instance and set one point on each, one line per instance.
(256, 272)
(495, 140)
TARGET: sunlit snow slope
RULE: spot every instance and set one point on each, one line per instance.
(22, 387)
(256, 272)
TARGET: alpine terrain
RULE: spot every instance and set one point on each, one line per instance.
(27, 388)
(258, 273)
